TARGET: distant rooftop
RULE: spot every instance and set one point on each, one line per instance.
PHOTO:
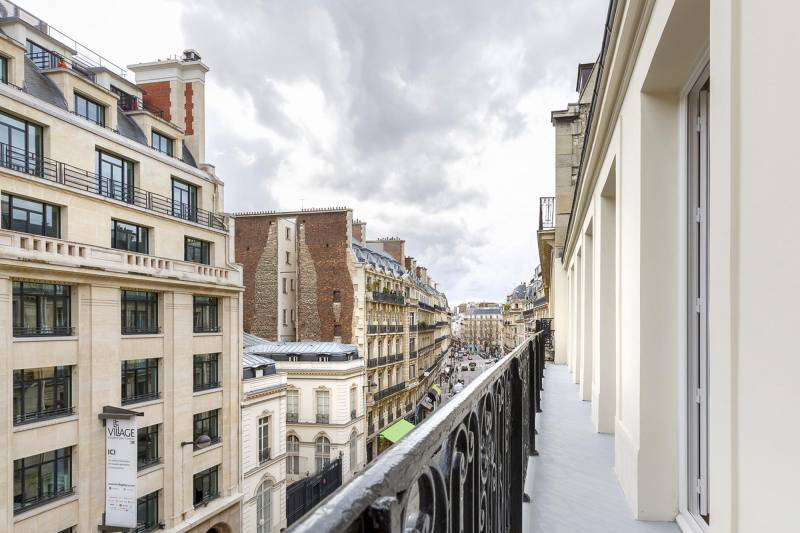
(303, 350)
(484, 311)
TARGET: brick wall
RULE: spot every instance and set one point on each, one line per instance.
(324, 265)
(188, 99)
(157, 95)
(397, 249)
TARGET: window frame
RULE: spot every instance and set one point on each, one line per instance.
(204, 250)
(61, 323)
(61, 464)
(120, 187)
(149, 369)
(264, 450)
(212, 476)
(205, 311)
(290, 408)
(61, 378)
(292, 455)
(353, 441)
(136, 305)
(151, 450)
(27, 158)
(49, 212)
(142, 237)
(87, 103)
(148, 501)
(163, 140)
(208, 420)
(322, 452)
(322, 408)
(264, 507)
(186, 191)
(207, 368)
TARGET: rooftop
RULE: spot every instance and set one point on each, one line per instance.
(304, 350)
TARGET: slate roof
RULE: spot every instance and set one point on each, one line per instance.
(40, 86)
(304, 350)
(484, 311)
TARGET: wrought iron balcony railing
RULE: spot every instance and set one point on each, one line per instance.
(463, 469)
(291, 417)
(44, 331)
(323, 419)
(388, 297)
(145, 329)
(547, 213)
(86, 181)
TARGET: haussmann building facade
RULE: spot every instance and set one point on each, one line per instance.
(118, 288)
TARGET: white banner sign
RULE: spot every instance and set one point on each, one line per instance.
(121, 472)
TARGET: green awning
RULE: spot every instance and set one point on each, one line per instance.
(437, 388)
(397, 431)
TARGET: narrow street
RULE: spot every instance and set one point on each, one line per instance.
(481, 365)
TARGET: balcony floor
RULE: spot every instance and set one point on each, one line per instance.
(575, 489)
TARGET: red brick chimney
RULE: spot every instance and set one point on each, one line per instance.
(176, 87)
(359, 230)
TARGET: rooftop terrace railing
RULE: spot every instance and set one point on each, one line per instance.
(547, 213)
(463, 469)
(84, 180)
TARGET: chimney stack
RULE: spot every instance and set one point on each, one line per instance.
(176, 87)
(359, 230)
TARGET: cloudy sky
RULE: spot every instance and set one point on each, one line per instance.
(430, 118)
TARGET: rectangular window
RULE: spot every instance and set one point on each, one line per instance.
(337, 330)
(139, 380)
(292, 405)
(284, 285)
(337, 296)
(31, 216)
(20, 145)
(292, 284)
(284, 317)
(206, 314)
(42, 477)
(41, 393)
(147, 446)
(291, 313)
(288, 234)
(115, 177)
(90, 110)
(288, 258)
(197, 251)
(263, 439)
(41, 309)
(184, 200)
(353, 403)
(130, 237)
(41, 56)
(161, 142)
(207, 423)
(139, 313)
(412, 371)
(147, 513)
(206, 371)
(3, 69)
(206, 485)
(323, 406)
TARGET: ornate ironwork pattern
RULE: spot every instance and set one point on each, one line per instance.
(463, 470)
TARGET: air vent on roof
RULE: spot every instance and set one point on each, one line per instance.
(190, 55)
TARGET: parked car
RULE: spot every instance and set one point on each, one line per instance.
(464, 368)
(472, 365)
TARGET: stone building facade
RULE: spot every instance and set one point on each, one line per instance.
(348, 289)
(120, 290)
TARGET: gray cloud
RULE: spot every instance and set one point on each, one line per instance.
(415, 88)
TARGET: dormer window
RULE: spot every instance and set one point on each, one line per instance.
(90, 110)
(161, 142)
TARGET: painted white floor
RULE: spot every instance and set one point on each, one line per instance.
(573, 487)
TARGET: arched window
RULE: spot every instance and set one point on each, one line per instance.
(264, 507)
(322, 453)
(292, 454)
(353, 451)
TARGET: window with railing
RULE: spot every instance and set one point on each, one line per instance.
(323, 406)
(161, 142)
(139, 380)
(197, 251)
(147, 513)
(90, 110)
(41, 309)
(207, 423)
(292, 455)
(41, 478)
(322, 452)
(184, 200)
(31, 216)
(147, 446)
(41, 393)
(139, 312)
(263, 440)
(292, 405)
(206, 486)
(21, 145)
(115, 177)
(206, 371)
(206, 314)
(130, 237)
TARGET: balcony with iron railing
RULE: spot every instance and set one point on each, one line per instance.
(547, 213)
(42, 167)
(388, 297)
(389, 391)
(463, 469)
